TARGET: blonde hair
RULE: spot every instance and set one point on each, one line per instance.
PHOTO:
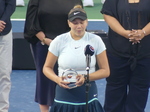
(77, 8)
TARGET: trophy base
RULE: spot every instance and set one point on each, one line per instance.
(72, 85)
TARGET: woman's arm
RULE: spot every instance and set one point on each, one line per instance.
(116, 26)
(139, 34)
(103, 71)
(146, 29)
(41, 36)
(49, 73)
(32, 26)
(48, 67)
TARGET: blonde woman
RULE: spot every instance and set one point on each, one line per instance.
(68, 49)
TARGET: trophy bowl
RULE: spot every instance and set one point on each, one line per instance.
(70, 75)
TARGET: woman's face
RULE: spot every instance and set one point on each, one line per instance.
(78, 27)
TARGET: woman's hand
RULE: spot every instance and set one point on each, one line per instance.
(62, 83)
(80, 80)
(136, 36)
(48, 41)
(42, 37)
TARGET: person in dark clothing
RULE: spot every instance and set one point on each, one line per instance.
(7, 8)
(45, 19)
(128, 52)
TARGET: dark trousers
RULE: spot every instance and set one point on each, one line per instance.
(127, 90)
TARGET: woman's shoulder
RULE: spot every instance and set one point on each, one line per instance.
(62, 37)
(92, 35)
(94, 38)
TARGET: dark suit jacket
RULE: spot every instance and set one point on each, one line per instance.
(7, 8)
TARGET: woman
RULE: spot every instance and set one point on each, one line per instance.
(45, 19)
(128, 52)
(68, 49)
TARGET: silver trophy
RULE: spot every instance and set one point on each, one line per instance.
(70, 75)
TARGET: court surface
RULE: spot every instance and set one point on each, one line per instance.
(23, 90)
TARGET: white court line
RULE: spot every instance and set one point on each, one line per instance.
(88, 19)
(17, 19)
(95, 19)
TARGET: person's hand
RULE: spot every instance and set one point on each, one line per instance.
(80, 80)
(48, 41)
(127, 34)
(60, 81)
(136, 36)
(2, 25)
(42, 37)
